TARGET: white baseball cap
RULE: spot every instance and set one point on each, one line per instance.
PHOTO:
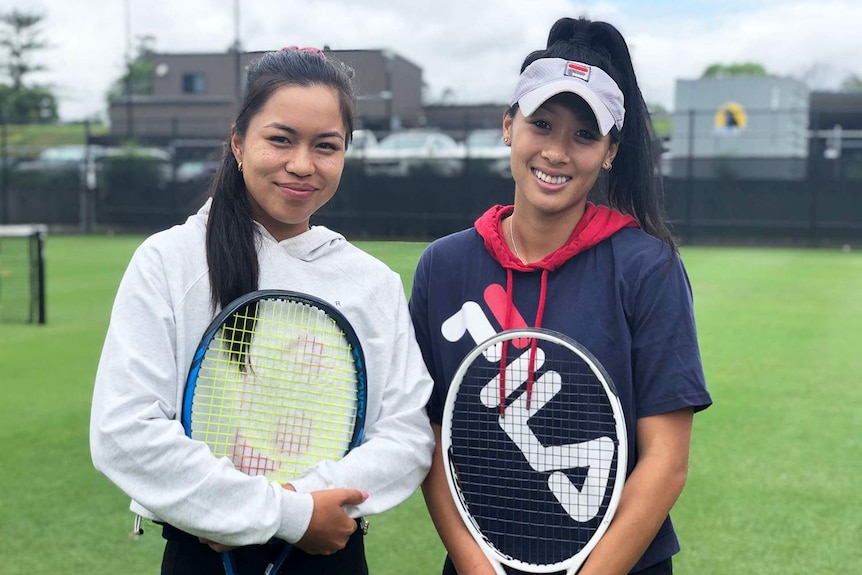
(547, 77)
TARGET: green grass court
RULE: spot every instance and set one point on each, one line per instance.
(774, 486)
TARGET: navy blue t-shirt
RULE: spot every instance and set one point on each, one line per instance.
(625, 299)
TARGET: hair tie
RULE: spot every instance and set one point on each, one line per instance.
(309, 50)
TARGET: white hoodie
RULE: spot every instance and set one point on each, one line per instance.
(161, 310)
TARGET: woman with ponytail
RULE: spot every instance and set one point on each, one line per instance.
(284, 161)
(608, 276)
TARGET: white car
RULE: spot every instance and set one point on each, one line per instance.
(414, 152)
(487, 154)
(126, 161)
(59, 158)
(362, 141)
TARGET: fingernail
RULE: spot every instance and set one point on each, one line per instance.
(364, 493)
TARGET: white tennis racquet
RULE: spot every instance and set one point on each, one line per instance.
(537, 479)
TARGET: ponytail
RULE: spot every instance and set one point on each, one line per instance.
(231, 235)
(634, 186)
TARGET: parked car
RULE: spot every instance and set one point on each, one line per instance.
(196, 171)
(70, 157)
(362, 140)
(133, 162)
(414, 152)
(75, 156)
(487, 154)
(67, 166)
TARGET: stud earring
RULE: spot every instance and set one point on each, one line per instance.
(506, 140)
(239, 166)
(607, 166)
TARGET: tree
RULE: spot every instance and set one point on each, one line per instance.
(852, 83)
(138, 77)
(20, 37)
(660, 118)
(34, 105)
(733, 70)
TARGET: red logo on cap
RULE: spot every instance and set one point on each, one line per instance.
(578, 70)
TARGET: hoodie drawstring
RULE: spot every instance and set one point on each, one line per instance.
(504, 351)
(531, 367)
(595, 225)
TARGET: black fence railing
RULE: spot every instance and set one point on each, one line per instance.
(145, 192)
(424, 207)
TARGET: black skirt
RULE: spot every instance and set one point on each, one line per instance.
(185, 555)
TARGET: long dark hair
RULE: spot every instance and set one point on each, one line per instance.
(231, 238)
(634, 185)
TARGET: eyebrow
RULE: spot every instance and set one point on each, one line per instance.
(289, 130)
(589, 118)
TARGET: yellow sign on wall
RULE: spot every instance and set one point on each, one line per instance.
(730, 118)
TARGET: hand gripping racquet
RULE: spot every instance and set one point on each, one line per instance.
(537, 482)
(277, 384)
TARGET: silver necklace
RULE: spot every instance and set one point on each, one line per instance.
(512, 233)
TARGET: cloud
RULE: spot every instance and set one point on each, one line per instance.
(472, 48)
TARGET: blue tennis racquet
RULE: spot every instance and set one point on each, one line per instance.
(534, 448)
(277, 384)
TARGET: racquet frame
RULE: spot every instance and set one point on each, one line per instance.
(496, 557)
(223, 321)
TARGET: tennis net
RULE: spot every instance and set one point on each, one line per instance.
(22, 273)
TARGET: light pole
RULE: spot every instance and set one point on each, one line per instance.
(130, 119)
(4, 158)
(237, 49)
(388, 94)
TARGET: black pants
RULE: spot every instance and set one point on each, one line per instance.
(185, 555)
(663, 568)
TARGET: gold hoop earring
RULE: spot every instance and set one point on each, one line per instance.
(239, 166)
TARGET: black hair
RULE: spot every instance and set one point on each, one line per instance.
(231, 236)
(634, 185)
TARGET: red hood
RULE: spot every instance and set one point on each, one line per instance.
(597, 224)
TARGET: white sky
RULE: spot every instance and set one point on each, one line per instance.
(471, 47)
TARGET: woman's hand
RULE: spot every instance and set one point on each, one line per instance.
(217, 547)
(330, 527)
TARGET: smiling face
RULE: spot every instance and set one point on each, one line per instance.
(557, 154)
(292, 157)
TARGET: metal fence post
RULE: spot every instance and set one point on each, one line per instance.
(689, 174)
(4, 167)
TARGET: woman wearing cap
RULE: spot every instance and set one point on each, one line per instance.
(609, 277)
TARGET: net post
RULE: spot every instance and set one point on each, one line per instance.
(22, 273)
(40, 274)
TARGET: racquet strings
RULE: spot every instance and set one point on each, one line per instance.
(534, 480)
(277, 390)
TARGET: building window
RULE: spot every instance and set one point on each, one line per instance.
(195, 83)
